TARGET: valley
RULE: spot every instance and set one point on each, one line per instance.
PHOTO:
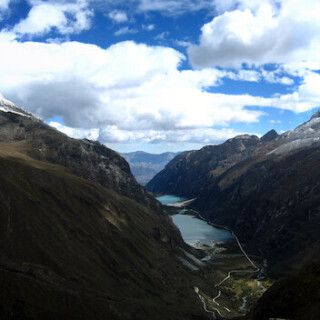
(239, 280)
(266, 190)
(239, 240)
(68, 209)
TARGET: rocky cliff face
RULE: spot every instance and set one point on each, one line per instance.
(87, 159)
(74, 242)
(189, 172)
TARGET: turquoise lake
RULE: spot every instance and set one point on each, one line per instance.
(167, 199)
(194, 230)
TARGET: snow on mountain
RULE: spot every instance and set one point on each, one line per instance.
(8, 106)
(303, 136)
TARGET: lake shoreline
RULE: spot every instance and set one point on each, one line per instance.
(238, 278)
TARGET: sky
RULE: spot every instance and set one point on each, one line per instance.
(162, 75)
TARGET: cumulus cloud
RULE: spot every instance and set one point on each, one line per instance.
(260, 74)
(66, 18)
(4, 5)
(305, 98)
(127, 85)
(112, 134)
(222, 6)
(4, 8)
(247, 34)
(133, 92)
(118, 16)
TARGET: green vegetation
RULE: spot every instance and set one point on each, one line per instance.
(241, 291)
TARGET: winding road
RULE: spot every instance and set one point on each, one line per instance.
(214, 300)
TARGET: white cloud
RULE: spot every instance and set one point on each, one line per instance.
(174, 7)
(273, 77)
(4, 8)
(148, 27)
(112, 135)
(245, 75)
(128, 85)
(165, 7)
(77, 133)
(285, 32)
(66, 18)
(118, 16)
(182, 43)
(133, 92)
(125, 30)
(4, 5)
(162, 35)
(305, 98)
(258, 75)
(222, 6)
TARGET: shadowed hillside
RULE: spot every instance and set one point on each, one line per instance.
(73, 248)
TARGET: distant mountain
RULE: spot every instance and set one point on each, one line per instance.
(79, 237)
(144, 166)
(267, 190)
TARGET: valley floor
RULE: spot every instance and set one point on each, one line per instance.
(238, 280)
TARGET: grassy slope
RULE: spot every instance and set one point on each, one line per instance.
(71, 249)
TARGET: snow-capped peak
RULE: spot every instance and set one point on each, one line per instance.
(5, 103)
(8, 106)
(305, 135)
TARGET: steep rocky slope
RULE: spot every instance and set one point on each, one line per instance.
(87, 159)
(189, 172)
(73, 248)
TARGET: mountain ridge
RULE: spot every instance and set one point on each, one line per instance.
(261, 189)
(79, 237)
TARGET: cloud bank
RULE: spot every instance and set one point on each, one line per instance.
(130, 92)
(260, 32)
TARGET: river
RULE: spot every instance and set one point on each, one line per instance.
(194, 231)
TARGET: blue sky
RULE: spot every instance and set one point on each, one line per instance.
(162, 75)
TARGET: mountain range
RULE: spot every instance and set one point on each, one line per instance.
(144, 166)
(267, 190)
(79, 237)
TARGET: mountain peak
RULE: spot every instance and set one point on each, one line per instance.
(316, 115)
(5, 102)
(271, 135)
(8, 106)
